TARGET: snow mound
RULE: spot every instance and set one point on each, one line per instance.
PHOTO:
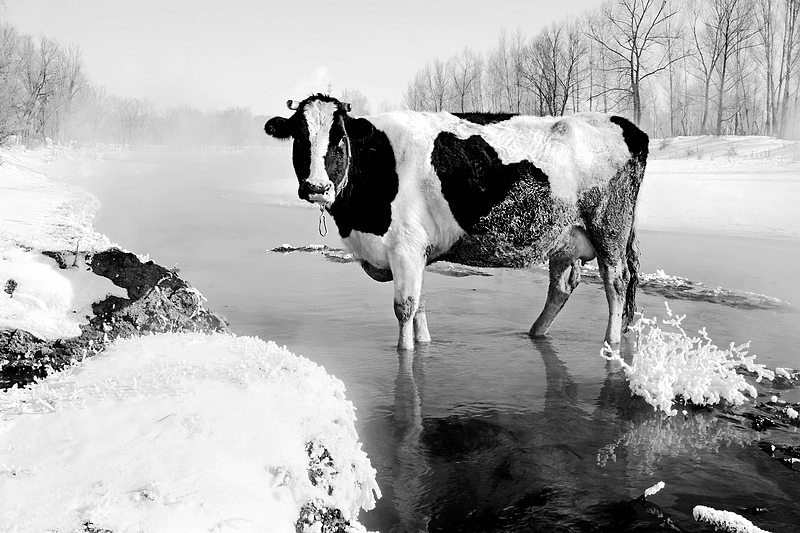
(725, 520)
(668, 364)
(42, 213)
(726, 147)
(181, 432)
(45, 300)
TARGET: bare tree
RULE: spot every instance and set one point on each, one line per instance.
(134, 116)
(635, 47)
(357, 100)
(550, 67)
(438, 85)
(430, 89)
(765, 27)
(415, 97)
(8, 82)
(789, 64)
(465, 72)
(730, 22)
(386, 106)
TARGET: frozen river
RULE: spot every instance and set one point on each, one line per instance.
(484, 429)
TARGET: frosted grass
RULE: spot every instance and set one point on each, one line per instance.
(669, 363)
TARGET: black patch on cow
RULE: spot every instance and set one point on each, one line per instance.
(508, 212)
(278, 127)
(638, 142)
(485, 118)
(378, 274)
(365, 203)
(473, 177)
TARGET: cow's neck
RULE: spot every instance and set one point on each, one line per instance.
(364, 201)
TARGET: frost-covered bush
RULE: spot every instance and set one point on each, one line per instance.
(670, 363)
(725, 520)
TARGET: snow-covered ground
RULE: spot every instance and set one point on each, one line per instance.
(37, 211)
(181, 432)
(171, 432)
(730, 185)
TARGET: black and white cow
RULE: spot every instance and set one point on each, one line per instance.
(408, 188)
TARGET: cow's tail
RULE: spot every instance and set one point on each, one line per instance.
(632, 258)
(638, 145)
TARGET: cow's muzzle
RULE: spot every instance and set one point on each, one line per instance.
(317, 194)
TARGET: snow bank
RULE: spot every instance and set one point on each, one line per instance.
(670, 364)
(48, 301)
(728, 148)
(37, 212)
(181, 432)
(730, 185)
(725, 520)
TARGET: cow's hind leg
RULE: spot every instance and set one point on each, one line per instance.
(565, 274)
(408, 270)
(615, 281)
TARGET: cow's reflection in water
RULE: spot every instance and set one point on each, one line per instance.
(411, 470)
(505, 470)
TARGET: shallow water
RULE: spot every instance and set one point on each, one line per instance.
(484, 429)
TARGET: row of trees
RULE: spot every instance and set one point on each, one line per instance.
(674, 67)
(45, 94)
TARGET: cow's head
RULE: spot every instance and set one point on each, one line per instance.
(322, 153)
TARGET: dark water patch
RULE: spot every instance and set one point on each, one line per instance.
(786, 454)
(459, 437)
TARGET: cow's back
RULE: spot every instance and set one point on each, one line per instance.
(512, 186)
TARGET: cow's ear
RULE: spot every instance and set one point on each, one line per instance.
(358, 128)
(278, 127)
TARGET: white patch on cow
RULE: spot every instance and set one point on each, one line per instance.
(421, 217)
(368, 247)
(319, 119)
(576, 152)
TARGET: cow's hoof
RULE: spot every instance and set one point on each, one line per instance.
(537, 332)
(422, 336)
(406, 344)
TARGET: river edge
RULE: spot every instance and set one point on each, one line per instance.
(159, 301)
(48, 218)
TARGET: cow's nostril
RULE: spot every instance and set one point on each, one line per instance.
(307, 189)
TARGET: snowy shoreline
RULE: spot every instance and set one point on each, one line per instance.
(173, 424)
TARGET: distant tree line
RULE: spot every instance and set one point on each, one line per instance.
(674, 67)
(45, 94)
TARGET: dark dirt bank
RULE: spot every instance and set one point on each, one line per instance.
(158, 301)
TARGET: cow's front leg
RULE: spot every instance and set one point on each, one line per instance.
(407, 270)
(421, 333)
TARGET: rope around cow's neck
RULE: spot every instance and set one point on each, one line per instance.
(323, 224)
(345, 178)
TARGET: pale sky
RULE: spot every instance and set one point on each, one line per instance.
(213, 54)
